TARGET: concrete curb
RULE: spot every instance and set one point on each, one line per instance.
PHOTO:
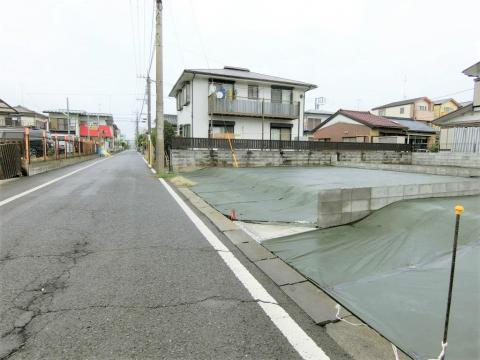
(318, 305)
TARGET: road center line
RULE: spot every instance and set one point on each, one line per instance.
(295, 335)
(22, 194)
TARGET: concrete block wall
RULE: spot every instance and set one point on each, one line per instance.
(469, 160)
(343, 206)
(423, 169)
(39, 167)
(188, 160)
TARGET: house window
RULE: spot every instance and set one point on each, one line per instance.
(184, 130)
(179, 100)
(422, 107)
(381, 112)
(224, 89)
(448, 109)
(218, 129)
(281, 132)
(402, 110)
(253, 91)
(186, 94)
(282, 95)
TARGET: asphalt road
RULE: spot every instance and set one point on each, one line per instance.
(105, 264)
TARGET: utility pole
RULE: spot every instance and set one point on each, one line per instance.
(149, 105)
(136, 131)
(159, 148)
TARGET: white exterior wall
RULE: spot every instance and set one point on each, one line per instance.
(245, 127)
(341, 119)
(476, 95)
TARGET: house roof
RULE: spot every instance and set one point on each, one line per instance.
(237, 73)
(443, 101)
(465, 103)
(413, 125)
(22, 110)
(5, 108)
(473, 70)
(402, 102)
(366, 118)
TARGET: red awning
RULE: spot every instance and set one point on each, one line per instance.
(105, 131)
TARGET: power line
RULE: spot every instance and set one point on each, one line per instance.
(133, 36)
(455, 93)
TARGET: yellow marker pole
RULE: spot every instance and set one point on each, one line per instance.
(458, 212)
(235, 163)
(27, 144)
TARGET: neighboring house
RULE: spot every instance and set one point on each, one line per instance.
(30, 118)
(84, 124)
(171, 119)
(420, 134)
(8, 115)
(313, 118)
(420, 108)
(460, 130)
(240, 103)
(359, 126)
(444, 106)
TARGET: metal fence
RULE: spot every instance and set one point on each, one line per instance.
(10, 163)
(251, 144)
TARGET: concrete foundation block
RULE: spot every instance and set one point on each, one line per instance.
(360, 205)
(330, 195)
(379, 203)
(379, 192)
(409, 190)
(330, 207)
(361, 193)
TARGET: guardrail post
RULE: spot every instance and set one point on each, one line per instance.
(27, 145)
(44, 143)
(65, 142)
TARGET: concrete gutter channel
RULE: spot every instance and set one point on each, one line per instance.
(359, 340)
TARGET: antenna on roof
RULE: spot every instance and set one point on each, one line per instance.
(319, 102)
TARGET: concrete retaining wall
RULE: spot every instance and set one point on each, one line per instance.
(343, 206)
(188, 160)
(468, 160)
(44, 166)
(423, 169)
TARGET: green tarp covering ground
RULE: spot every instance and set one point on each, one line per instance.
(289, 194)
(392, 270)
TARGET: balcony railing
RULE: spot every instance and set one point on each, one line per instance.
(253, 107)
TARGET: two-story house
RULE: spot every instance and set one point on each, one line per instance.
(460, 129)
(420, 109)
(8, 115)
(30, 118)
(239, 103)
(444, 106)
(312, 119)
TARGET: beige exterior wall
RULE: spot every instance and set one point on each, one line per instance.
(443, 109)
(396, 111)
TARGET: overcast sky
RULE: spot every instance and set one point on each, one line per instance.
(359, 53)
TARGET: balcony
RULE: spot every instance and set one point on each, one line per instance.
(253, 108)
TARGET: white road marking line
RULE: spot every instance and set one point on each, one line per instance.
(295, 335)
(15, 197)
